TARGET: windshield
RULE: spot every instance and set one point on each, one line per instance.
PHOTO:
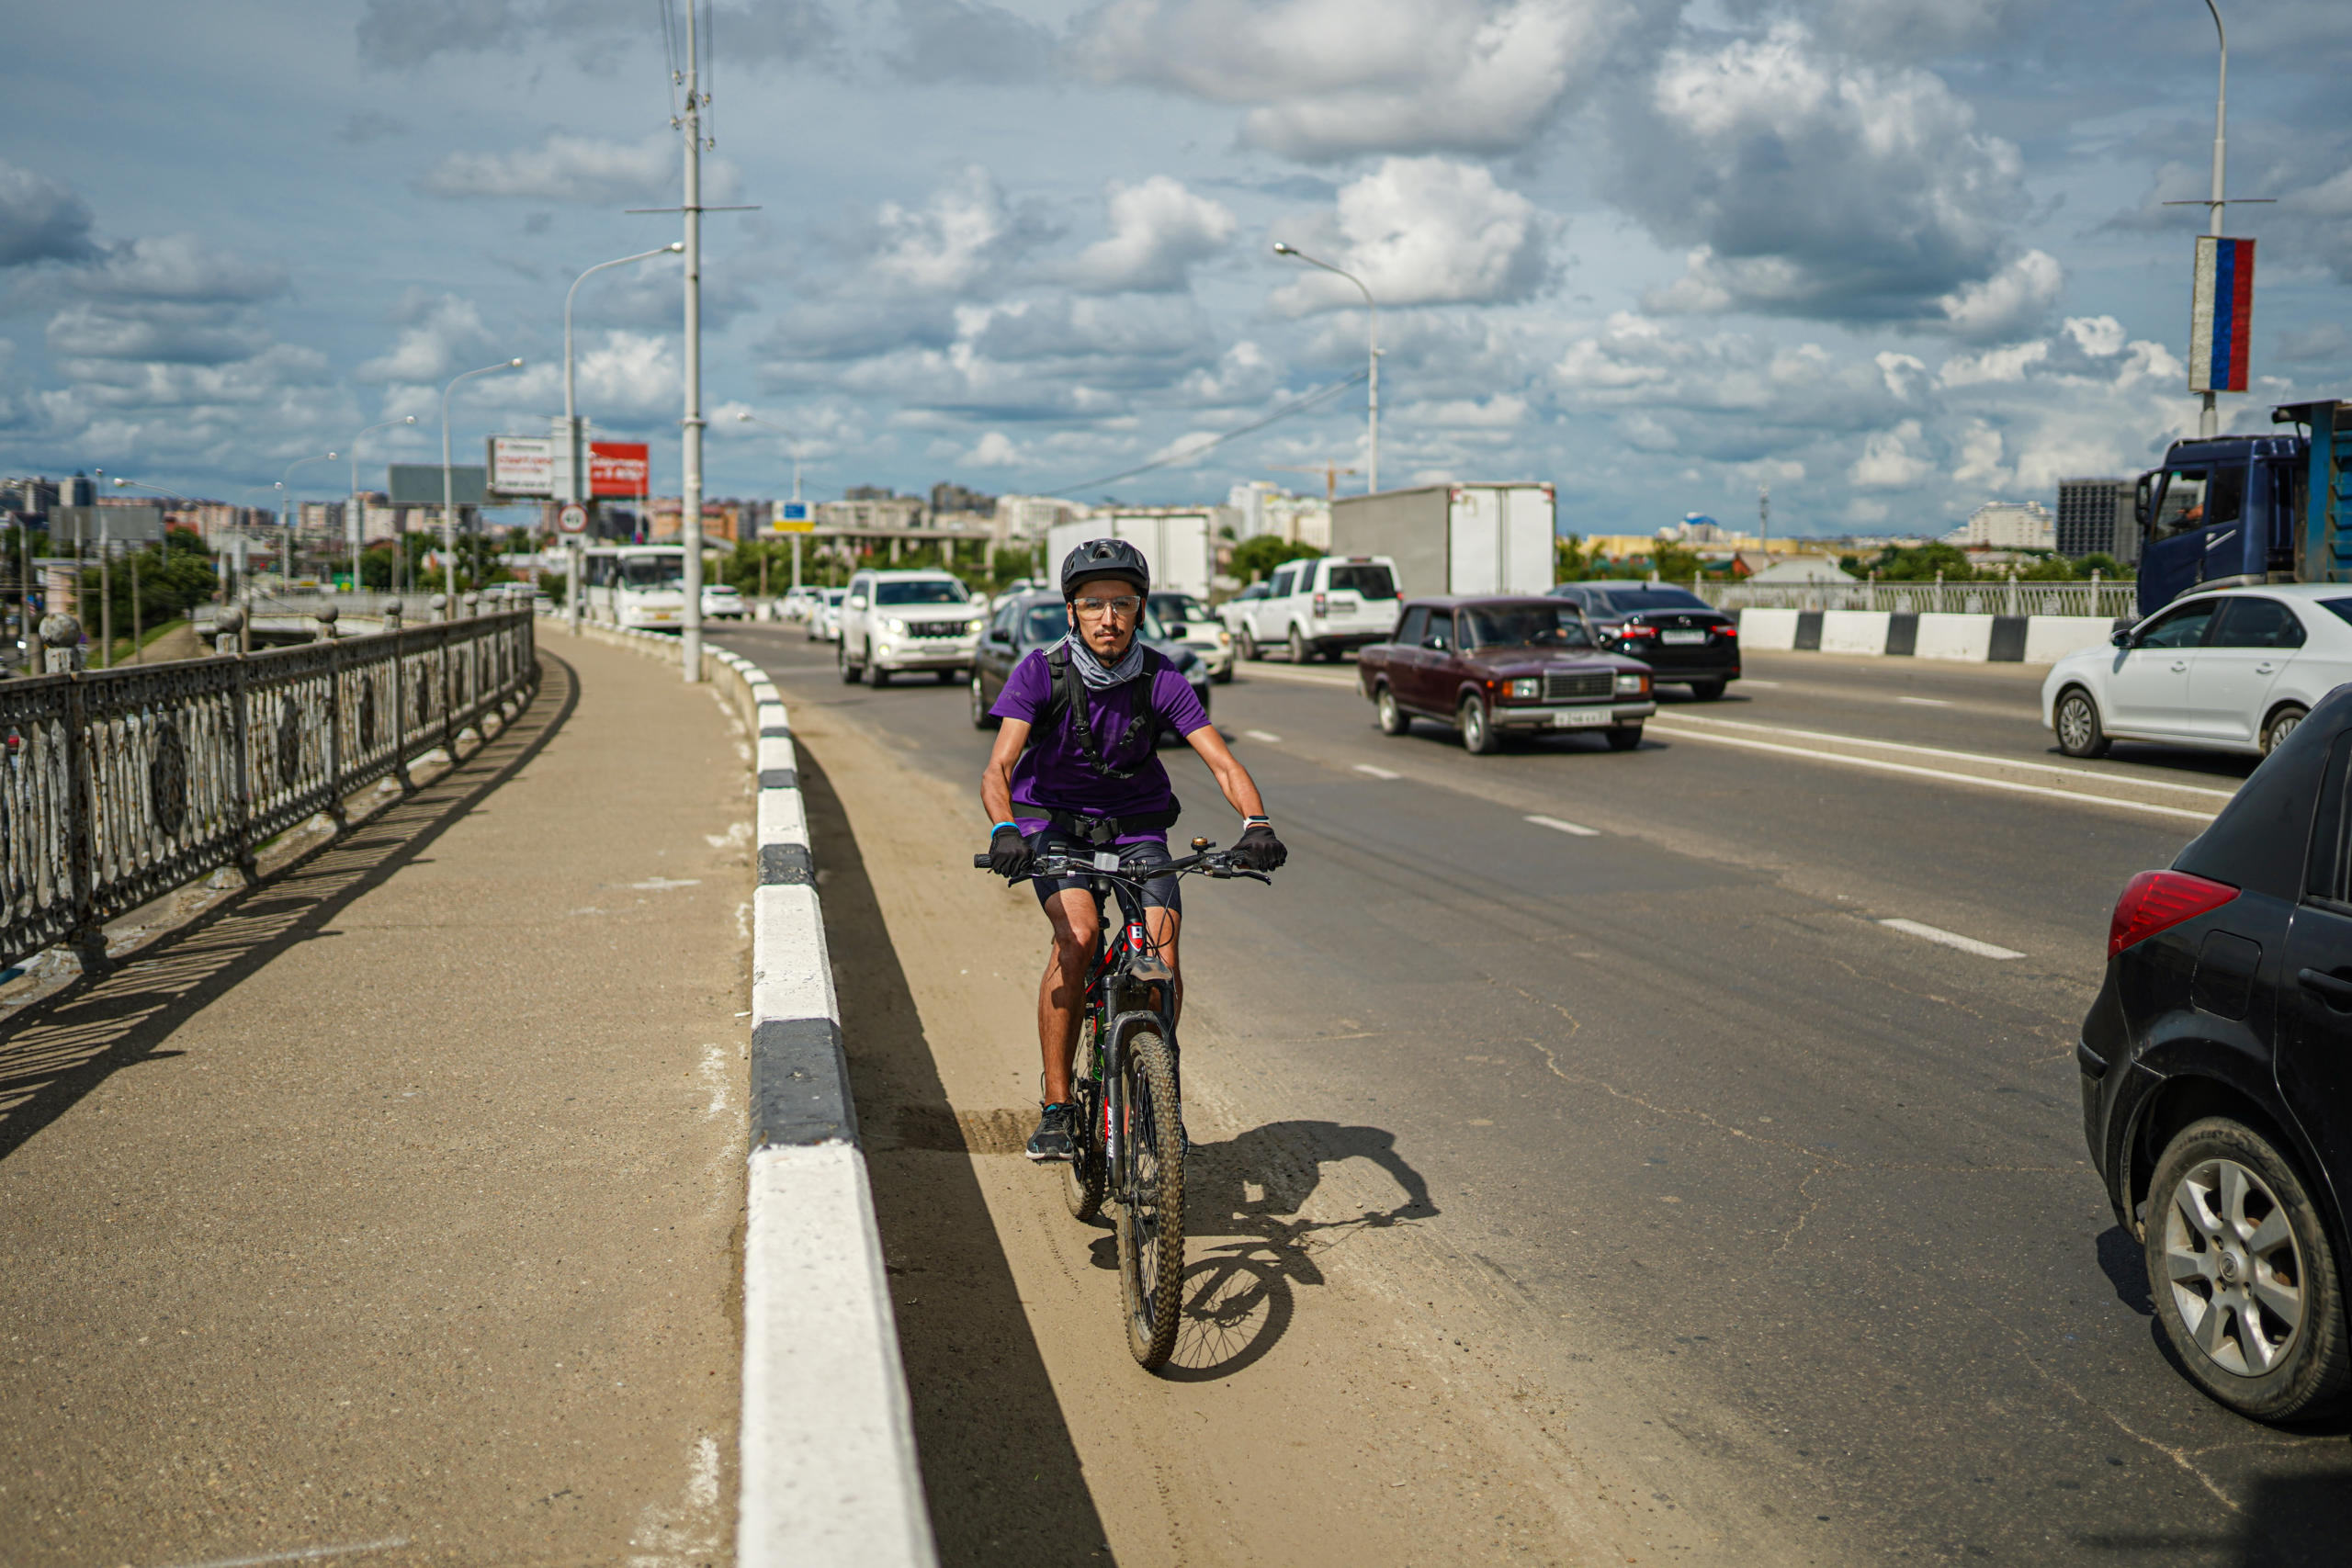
(1044, 623)
(653, 571)
(1632, 600)
(1526, 626)
(1365, 581)
(939, 591)
(833, 595)
(1178, 607)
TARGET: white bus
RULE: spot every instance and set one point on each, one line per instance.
(634, 585)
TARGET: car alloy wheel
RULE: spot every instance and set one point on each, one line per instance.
(1393, 719)
(1298, 652)
(2076, 722)
(848, 671)
(2283, 724)
(1477, 730)
(2243, 1274)
(1249, 646)
(979, 704)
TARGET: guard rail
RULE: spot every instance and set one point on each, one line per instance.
(118, 785)
(2113, 599)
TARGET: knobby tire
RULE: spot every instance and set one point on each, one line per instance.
(1083, 1177)
(1151, 1209)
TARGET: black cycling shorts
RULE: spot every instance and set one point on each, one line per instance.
(1160, 892)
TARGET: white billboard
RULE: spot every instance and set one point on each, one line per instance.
(522, 465)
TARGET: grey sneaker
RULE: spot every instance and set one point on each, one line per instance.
(1056, 1135)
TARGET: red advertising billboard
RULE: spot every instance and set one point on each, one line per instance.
(616, 468)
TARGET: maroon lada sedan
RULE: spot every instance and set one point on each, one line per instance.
(1492, 667)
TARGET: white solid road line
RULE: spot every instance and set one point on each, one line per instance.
(1262, 735)
(1281, 673)
(1376, 773)
(1942, 775)
(1924, 702)
(1752, 681)
(1952, 939)
(306, 1554)
(1977, 757)
(1577, 828)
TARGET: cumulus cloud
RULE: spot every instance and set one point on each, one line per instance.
(2015, 299)
(573, 168)
(41, 219)
(995, 449)
(1815, 185)
(441, 335)
(959, 243)
(1327, 79)
(1430, 231)
(1159, 229)
(405, 34)
(1888, 461)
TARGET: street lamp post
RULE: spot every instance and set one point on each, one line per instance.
(286, 516)
(448, 500)
(2209, 418)
(352, 523)
(742, 417)
(575, 491)
(1372, 464)
(136, 627)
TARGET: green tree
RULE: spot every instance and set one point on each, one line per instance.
(1256, 558)
(1569, 561)
(1673, 563)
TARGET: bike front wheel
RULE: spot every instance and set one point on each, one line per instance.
(1151, 1198)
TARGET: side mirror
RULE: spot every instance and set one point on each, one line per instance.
(857, 602)
(2122, 638)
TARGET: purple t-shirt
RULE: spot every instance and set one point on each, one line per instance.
(1053, 770)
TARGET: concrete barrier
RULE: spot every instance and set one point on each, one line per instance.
(1954, 636)
(2049, 639)
(1768, 631)
(1854, 631)
(830, 1477)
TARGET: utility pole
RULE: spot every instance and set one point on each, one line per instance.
(690, 516)
(1764, 516)
(2208, 419)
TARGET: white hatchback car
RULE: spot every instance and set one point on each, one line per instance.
(2233, 671)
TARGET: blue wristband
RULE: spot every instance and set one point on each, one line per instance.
(1014, 826)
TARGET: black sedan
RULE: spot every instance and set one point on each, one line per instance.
(1683, 639)
(2217, 1099)
(1026, 622)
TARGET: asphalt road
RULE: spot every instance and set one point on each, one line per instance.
(1809, 1187)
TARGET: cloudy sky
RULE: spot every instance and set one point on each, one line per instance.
(1895, 257)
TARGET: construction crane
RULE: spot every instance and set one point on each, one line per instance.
(1331, 472)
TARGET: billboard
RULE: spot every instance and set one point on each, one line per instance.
(2221, 315)
(522, 465)
(618, 467)
(419, 484)
(793, 517)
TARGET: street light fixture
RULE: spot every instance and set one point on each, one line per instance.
(286, 513)
(570, 412)
(1371, 465)
(352, 521)
(448, 502)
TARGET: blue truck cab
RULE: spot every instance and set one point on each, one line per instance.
(2243, 509)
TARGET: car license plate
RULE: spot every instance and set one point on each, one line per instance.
(1581, 718)
(1681, 639)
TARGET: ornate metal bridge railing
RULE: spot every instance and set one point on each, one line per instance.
(116, 786)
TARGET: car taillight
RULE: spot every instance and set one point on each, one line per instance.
(1726, 631)
(1322, 606)
(2158, 900)
(1635, 628)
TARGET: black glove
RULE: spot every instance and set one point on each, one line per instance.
(1009, 854)
(1258, 850)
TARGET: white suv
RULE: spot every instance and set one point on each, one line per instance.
(1318, 608)
(894, 622)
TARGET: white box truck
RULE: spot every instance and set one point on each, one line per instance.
(1177, 541)
(1458, 538)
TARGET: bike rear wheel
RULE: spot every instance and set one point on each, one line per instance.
(1082, 1178)
(1151, 1202)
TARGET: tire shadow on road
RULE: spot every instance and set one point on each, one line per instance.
(1250, 1248)
(64, 1045)
(1001, 1472)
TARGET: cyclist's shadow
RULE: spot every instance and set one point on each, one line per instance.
(1250, 1246)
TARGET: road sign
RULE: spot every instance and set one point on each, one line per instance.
(792, 517)
(572, 519)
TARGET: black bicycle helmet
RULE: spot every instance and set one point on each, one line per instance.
(1105, 558)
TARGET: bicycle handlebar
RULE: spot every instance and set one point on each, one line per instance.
(1205, 862)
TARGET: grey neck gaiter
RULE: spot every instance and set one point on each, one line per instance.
(1099, 676)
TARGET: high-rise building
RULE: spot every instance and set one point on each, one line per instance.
(2095, 516)
(2006, 525)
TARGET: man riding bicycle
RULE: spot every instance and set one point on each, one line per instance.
(1076, 771)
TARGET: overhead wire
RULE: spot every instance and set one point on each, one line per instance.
(1297, 406)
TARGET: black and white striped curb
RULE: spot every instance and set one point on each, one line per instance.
(830, 1475)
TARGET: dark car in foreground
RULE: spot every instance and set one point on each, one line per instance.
(1683, 639)
(2217, 1081)
(1493, 666)
(1024, 622)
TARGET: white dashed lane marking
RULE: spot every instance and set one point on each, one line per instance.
(1376, 773)
(1579, 828)
(1263, 734)
(1951, 939)
(1924, 702)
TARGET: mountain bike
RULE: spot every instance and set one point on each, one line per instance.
(1130, 1151)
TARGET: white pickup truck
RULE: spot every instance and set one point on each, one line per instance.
(1317, 609)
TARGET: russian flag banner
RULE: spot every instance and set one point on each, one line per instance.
(2221, 315)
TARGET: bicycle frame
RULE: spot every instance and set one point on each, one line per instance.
(1122, 978)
